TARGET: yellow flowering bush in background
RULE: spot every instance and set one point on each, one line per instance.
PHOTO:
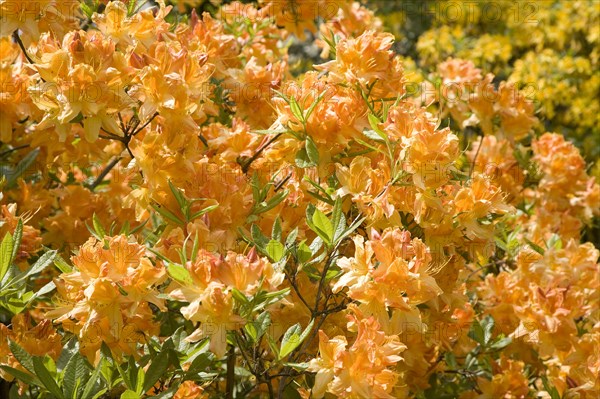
(549, 48)
(280, 199)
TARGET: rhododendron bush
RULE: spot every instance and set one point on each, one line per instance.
(189, 211)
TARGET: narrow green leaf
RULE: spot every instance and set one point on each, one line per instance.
(46, 378)
(75, 369)
(91, 383)
(276, 230)
(21, 355)
(21, 375)
(98, 226)
(258, 327)
(43, 262)
(201, 212)
(17, 235)
(535, 247)
(62, 265)
(6, 250)
(239, 296)
(296, 110)
(260, 240)
(165, 213)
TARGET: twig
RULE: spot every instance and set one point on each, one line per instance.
(22, 46)
(230, 372)
(246, 163)
(476, 155)
(13, 149)
(104, 172)
(144, 125)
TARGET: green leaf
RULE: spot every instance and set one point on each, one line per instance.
(271, 131)
(535, 247)
(304, 252)
(21, 375)
(6, 250)
(273, 345)
(258, 327)
(272, 203)
(501, 343)
(157, 369)
(140, 378)
(259, 238)
(87, 10)
(296, 110)
(165, 213)
(98, 226)
(201, 212)
(312, 107)
(129, 394)
(275, 250)
(293, 337)
(17, 235)
(276, 230)
(200, 362)
(311, 150)
(13, 175)
(88, 391)
(552, 391)
(178, 194)
(303, 160)
(373, 135)
(323, 226)
(374, 122)
(180, 274)
(22, 356)
(62, 265)
(46, 378)
(43, 262)
(239, 296)
(74, 370)
(49, 287)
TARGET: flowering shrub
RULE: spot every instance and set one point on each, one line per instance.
(185, 214)
(548, 47)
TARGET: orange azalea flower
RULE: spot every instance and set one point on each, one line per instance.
(82, 75)
(367, 60)
(190, 390)
(39, 340)
(106, 298)
(361, 371)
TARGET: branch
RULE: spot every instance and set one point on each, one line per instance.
(245, 164)
(104, 172)
(230, 372)
(22, 46)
